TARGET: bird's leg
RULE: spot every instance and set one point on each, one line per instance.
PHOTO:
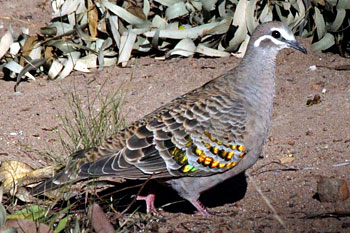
(201, 209)
(149, 201)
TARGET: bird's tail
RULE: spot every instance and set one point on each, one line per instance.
(67, 176)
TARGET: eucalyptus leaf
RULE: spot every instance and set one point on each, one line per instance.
(32, 65)
(343, 4)
(202, 49)
(127, 46)
(5, 43)
(186, 33)
(167, 2)
(243, 48)
(184, 47)
(55, 69)
(69, 65)
(122, 13)
(279, 13)
(325, 43)
(240, 13)
(82, 35)
(251, 19)
(106, 43)
(57, 28)
(14, 48)
(222, 9)
(239, 36)
(2, 215)
(68, 7)
(158, 22)
(338, 21)
(146, 8)
(198, 5)
(15, 67)
(266, 14)
(113, 20)
(36, 51)
(320, 24)
(209, 5)
(176, 10)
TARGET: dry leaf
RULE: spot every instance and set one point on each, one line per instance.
(99, 220)
(26, 226)
(288, 159)
(27, 48)
(93, 19)
(14, 173)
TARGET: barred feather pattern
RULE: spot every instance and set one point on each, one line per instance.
(201, 138)
(197, 134)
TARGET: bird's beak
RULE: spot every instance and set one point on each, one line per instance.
(296, 45)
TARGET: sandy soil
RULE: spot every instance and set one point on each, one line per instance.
(317, 136)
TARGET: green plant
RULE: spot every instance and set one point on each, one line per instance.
(87, 124)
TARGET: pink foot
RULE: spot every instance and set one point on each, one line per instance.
(201, 209)
(149, 201)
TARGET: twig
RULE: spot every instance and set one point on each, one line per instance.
(275, 214)
(287, 168)
(133, 201)
(336, 214)
(19, 20)
(340, 164)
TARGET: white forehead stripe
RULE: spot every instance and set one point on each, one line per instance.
(277, 42)
(285, 34)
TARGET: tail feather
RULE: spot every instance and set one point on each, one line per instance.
(66, 176)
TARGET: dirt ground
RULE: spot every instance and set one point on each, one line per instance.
(317, 136)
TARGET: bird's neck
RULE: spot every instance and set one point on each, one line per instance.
(258, 83)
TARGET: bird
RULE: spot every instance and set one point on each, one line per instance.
(197, 140)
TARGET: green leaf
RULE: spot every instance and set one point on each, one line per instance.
(5, 43)
(158, 22)
(185, 47)
(343, 4)
(185, 33)
(325, 43)
(122, 13)
(201, 48)
(61, 225)
(32, 213)
(127, 42)
(2, 215)
(167, 2)
(266, 14)
(339, 19)
(146, 7)
(251, 20)
(320, 24)
(176, 10)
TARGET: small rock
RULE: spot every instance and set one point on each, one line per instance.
(315, 100)
(315, 87)
(291, 142)
(309, 133)
(332, 190)
(312, 68)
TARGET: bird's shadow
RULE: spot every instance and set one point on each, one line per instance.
(230, 191)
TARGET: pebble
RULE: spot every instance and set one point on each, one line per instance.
(332, 189)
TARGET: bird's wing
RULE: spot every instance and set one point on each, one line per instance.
(197, 134)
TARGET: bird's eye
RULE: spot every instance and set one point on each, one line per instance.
(276, 34)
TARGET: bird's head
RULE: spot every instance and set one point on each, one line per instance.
(275, 35)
